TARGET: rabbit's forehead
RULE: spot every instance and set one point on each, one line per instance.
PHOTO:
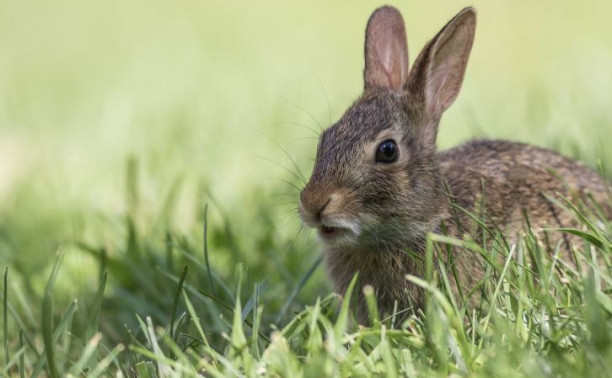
(365, 122)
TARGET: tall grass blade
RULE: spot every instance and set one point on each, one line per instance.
(296, 290)
(131, 187)
(162, 361)
(5, 316)
(238, 338)
(196, 319)
(47, 319)
(342, 320)
(387, 355)
(59, 330)
(22, 356)
(94, 315)
(370, 300)
(100, 368)
(86, 354)
(22, 327)
(177, 296)
(205, 242)
(132, 244)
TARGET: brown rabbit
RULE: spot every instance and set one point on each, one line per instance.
(379, 185)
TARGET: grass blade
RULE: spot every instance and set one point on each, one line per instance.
(92, 326)
(177, 296)
(47, 319)
(86, 354)
(5, 317)
(195, 318)
(297, 289)
(205, 240)
(106, 361)
(342, 320)
(56, 335)
(22, 356)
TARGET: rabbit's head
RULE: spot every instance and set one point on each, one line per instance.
(376, 182)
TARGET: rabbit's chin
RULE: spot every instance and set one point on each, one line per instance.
(371, 235)
(338, 233)
(336, 236)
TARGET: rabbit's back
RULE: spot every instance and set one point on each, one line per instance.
(509, 179)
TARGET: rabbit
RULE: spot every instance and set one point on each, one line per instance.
(379, 186)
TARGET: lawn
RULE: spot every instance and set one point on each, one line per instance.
(148, 159)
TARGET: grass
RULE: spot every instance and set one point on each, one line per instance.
(538, 317)
(148, 162)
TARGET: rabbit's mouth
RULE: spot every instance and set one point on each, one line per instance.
(336, 233)
(329, 234)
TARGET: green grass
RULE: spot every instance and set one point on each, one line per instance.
(181, 317)
(147, 208)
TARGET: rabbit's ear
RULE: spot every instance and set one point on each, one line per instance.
(386, 51)
(438, 72)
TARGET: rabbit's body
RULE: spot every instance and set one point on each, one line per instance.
(379, 186)
(500, 179)
(518, 178)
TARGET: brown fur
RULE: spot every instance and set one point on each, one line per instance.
(379, 211)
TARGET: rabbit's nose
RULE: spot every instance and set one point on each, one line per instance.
(313, 206)
(318, 214)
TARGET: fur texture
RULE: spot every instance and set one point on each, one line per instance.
(369, 213)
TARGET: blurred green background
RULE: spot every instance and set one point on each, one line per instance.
(209, 93)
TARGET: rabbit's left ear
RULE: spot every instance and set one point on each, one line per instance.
(438, 71)
(386, 51)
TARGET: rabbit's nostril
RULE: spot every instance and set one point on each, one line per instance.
(313, 203)
(323, 207)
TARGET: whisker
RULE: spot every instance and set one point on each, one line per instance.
(324, 91)
(293, 196)
(301, 138)
(288, 156)
(298, 177)
(297, 124)
(302, 109)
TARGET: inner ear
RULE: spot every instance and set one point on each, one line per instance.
(438, 72)
(386, 51)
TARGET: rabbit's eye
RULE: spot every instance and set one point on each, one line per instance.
(387, 152)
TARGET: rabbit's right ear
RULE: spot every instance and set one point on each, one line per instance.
(386, 51)
(437, 75)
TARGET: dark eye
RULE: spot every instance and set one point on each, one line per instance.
(387, 152)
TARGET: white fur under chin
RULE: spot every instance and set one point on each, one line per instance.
(369, 234)
(348, 233)
(352, 226)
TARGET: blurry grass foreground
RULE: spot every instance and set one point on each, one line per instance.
(165, 309)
